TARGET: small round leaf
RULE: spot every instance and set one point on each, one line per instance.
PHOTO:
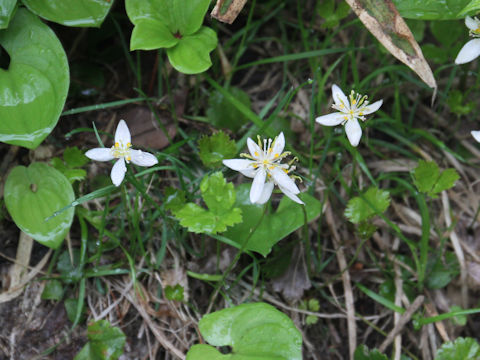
(33, 194)
(34, 88)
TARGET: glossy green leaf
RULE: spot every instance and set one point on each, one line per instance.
(7, 8)
(71, 12)
(460, 349)
(373, 201)
(219, 196)
(223, 114)
(74, 157)
(105, 342)
(215, 148)
(53, 290)
(32, 194)
(34, 88)
(172, 25)
(192, 54)
(434, 9)
(428, 179)
(274, 226)
(255, 331)
(363, 353)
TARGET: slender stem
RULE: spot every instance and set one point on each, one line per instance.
(235, 260)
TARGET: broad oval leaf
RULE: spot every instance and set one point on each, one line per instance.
(34, 88)
(275, 226)
(32, 194)
(434, 9)
(254, 331)
(80, 13)
(7, 8)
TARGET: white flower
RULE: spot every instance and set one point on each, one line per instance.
(263, 165)
(476, 135)
(349, 110)
(123, 152)
(471, 49)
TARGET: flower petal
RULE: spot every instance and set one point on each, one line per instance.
(257, 185)
(371, 108)
(354, 131)
(338, 96)
(254, 149)
(291, 195)
(100, 154)
(238, 164)
(472, 23)
(266, 193)
(282, 179)
(476, 135)
(249, 172)
(333, 119)
(122, 134)
(278, 145)
(142, 158)
(118, 172)
(468, 52)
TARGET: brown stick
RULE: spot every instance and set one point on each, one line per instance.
(231, 12)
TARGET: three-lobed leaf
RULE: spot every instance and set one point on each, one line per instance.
(254, 331)
(219, 196)
(34, 88)
(428, 179)
(373, 201)
(215, 148)
(223, 114)
(80, 13)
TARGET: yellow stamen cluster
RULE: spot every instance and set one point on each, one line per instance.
(119, 150)
(355, 108)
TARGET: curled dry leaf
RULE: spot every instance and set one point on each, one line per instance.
(383, 20)
(227, 10)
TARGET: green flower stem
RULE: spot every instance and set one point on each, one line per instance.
(235, 260)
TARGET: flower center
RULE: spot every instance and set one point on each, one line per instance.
(120, 150)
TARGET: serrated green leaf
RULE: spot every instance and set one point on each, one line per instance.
(288, 217)
(7, 8)
(32, 194)
(74, 157)
(446, 180)
(433, 9)
(105, 342)
(75, 175)
(174, 293)
(428, 179)
(219, 196)
(460, 349)
(363, 353)
(373, 201)
(34, 88)
(53, 290)
(215, 148)
(192, 53)
(223, 114)
(254, 331)
(71, 12)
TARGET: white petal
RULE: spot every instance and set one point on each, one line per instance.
(476, 135)
(338, 96)
(257, 185)
(118, 172)
(238, 164)
(282, 179)
(371, 108)
(99, 154)
(266, 193)
(142, 158)
(291, 195)
(471, 23)
(354, 131)
(278, 145)
(254, 149)
(468, 52)
(122, 134)
(249, 172)
(333, 119)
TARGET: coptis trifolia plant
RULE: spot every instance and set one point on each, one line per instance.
(471, 49)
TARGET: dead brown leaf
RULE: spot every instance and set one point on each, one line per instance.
(383, 20)
(227, 10)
